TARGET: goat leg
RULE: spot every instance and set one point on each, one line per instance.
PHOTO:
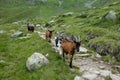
(71, 59)
(63, 56)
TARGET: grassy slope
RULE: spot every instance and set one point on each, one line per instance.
(12, 10)
(15, 52)
(101, 34)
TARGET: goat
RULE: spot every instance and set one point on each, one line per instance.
(59, 38)
(48, 34)
(58, 42)
(30, 27)
(69, 47)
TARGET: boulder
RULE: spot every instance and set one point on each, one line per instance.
(35, 61)
(17, 34)
(111, 15)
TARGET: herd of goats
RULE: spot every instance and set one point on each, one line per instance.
(68, 44)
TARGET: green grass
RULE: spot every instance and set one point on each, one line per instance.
(12, 10)
(93, 28)
(15, 53)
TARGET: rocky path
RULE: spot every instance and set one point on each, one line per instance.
(92, 67)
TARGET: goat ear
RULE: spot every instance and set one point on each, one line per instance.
(76, 38)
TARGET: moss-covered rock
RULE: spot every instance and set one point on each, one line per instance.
(105, 46)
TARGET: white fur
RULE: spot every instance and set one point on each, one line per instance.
(59, 48)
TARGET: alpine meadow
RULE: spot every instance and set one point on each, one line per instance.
(28, 53)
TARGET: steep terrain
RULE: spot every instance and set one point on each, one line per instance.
(98, 32)
(13, 10)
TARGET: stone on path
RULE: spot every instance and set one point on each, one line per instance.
(78, 78)
(114, 77)
(105, 73)
(90, 76)
(82, 49)
(82, 55)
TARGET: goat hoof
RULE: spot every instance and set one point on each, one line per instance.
(70, 66)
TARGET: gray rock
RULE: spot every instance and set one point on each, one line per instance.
(84, 68)
(40, 26)
(67, 14)
(114, 77)
(2, 61)
(111, 15)
(82, 49)
(35, 61)
(98, 56)
(17, 34)
(95, 72)
(2, 31)
(105, 73)
(50, 22)
(60, 2)
(82, 55)
(90, 3)
(78, 78)
(89, 76)
(101, 66)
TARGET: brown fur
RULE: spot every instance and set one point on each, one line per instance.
(68, 48)
(48, 35)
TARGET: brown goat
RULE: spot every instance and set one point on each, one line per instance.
(69, 47)
(48, 34)
(30, 27)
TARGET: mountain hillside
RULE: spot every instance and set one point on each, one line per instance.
(96, 22)
(13, 10)
(98, 27)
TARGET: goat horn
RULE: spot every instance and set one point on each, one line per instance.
(79, 38)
